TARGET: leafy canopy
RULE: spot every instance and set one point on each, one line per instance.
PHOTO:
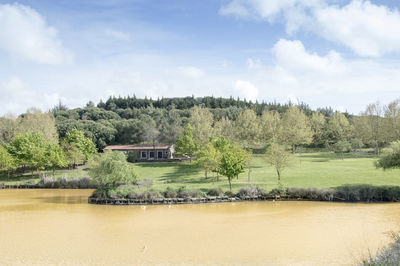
(111, 168)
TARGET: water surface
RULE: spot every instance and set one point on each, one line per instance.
(42, 227)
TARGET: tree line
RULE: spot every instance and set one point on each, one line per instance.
(31, 143)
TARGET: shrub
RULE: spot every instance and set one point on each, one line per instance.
(251, 191)
(216, 192)
(152, 195)
(147, 183)
(229, 193)
(131, 157)
(170, 193)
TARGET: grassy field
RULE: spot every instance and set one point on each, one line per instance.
(319, 170)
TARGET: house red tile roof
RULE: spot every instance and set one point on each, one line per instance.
(136, 147)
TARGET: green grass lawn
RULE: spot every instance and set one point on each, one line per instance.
(27, 178)
(319, 170)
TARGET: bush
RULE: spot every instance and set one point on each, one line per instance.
(185, 192)
(229, 193)
(251, 191)
(64, 182)
(147, 183)
(215, 192)
(388, 256)
(131, 157)
(170, 193)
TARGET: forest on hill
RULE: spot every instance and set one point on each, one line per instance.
(130, 120)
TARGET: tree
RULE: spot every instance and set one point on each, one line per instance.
(341, 147)
(224, 127)
(295, 129)
(371, 127)
(279, 158)
(392, 119)
(78, 149)
(29, 149)
(8, 128)
(186, 144)
(201, 119)
(318, 123)
(208, 158)
(390, 157)
(270, 123)
(247, 129)
(233, 162)
(111, 168)
(7, 162)
(36, 121)
(338, 128)
(55, 157)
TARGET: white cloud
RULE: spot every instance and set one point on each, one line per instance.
(117, 34)
(24, 33)
(368, 29)
(191, 72)
(262, 9)
(293, 56)
(16, 96)
(247, 90)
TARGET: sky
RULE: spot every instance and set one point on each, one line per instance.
(342, 54)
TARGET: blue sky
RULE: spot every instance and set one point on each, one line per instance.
(343, 54)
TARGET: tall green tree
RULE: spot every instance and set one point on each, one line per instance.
(36, 121)
(201, 120)
(109, 169)
(247, 129)
(7, 162)
(29, 149)
(78, 149)
(186, 145)
(318, 124)
(371, 126)
(55, 157)
(279, 158)
(295, 129)
(233, 162)
(270, 123)
(338, 128)
(208, 158)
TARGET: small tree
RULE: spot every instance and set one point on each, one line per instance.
(29, 149)
(233, 162)
(279, 158)
(390, 157)
(111, 168)
(342, 147)
(78, 149)
(186, 144)
(55, 157)
(208, 158)
(7, 162)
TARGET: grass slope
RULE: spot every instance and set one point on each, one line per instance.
(319, 170)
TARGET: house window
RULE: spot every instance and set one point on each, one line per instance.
(159, 155)
(151, 155)
(144, 155)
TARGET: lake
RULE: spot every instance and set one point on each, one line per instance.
(42, 227)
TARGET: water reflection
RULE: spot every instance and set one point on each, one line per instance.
(59, 227)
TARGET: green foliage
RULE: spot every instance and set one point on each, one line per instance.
(78, 149)
(295, 128)
(390, 157)
(7, 162)
(208, 158)
(342, 146)
(186, 144)
(55, 156)
(279, 158)
(111, 168)
(233, 162)
(29, 149)
(201, 120)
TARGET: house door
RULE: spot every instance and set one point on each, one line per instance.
(159, 155)
(151, 155)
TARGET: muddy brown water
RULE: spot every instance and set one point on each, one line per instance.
(58, 227)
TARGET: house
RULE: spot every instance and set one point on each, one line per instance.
(146, 152)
